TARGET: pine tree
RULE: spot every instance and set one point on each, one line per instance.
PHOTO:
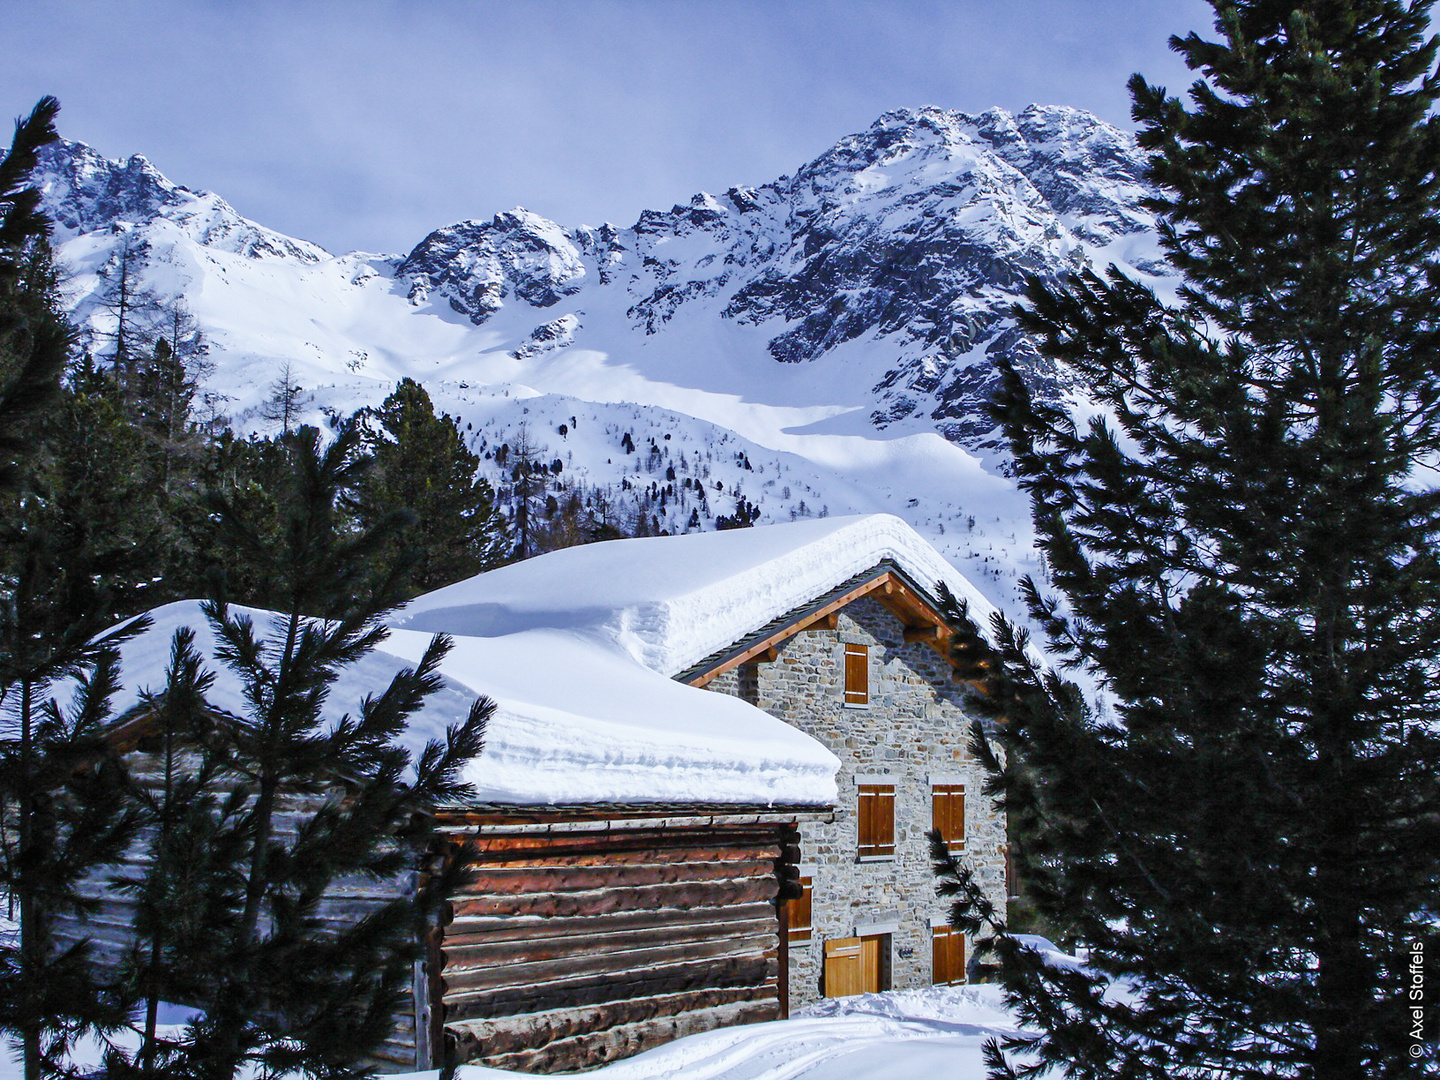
(527, 492)
(282, 987)
(61, 811)
(1246, 547)
(422, 466)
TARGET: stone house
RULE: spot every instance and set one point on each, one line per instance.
(863, 669)
(832, 626)
(704, 793)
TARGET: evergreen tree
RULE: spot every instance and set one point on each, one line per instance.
(422, 466)
(1246, 547)
(527, 494)
(186, 899)
(35, 341)
(167, 383)
(61, 813)
(100, 496)
(283, 987)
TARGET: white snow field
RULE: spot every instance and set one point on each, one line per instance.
(900, 1035)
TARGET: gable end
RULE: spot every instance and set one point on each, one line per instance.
(885, 582)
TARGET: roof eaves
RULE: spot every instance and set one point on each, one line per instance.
(798, 616)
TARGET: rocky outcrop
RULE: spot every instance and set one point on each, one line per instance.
(903, 247)
(84, 192)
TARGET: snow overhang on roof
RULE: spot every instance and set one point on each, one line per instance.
(575, 722)
(580, 650)
(671, 602)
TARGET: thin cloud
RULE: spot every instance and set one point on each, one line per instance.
(365, 124)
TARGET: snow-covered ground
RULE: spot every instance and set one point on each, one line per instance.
(900, 1035)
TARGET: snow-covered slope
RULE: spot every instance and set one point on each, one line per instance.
(822, 344)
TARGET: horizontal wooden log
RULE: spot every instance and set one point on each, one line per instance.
(686, 845)
(508, 879)
(467, 971)
(509, 1034)
(594, 1049)
(525, 928)
(478, 950)
(604, 901)
(391, 1059)
(593, 990)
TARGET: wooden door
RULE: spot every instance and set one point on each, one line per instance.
(844, 973)
(870, 964)
(853, 966)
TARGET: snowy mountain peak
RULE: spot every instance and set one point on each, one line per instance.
(768, 353)
(83, 192)
(898, 252)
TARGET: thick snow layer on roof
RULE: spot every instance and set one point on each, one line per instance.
(576, 721)
(669, 602)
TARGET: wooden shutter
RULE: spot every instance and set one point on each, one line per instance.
(947, 956)
(948, 802)
(876, 819)
(798, 913)
(844, 974)
(857, 674)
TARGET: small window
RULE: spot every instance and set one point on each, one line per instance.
(797, 912)
(947, 956)
(876, 817)
(857, 674)
(948, 802)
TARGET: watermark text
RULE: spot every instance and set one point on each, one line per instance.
(1415, 995)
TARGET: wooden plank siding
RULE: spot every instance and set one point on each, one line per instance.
(109, 928)
(583, 934)
(567, 951)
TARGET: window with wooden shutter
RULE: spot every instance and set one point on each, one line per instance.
(947, 956)
(948, 816)
(798, 912)
(857, 674)
(876, 820)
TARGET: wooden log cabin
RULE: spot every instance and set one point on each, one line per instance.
(658, 845)
(834, 627)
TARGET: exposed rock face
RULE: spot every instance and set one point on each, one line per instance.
(908, 242)
(480, 265)
(893, 259)
(84, 192)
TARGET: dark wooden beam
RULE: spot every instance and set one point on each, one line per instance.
(924, 633)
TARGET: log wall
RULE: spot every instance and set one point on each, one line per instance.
(569, 949)
(109, 927)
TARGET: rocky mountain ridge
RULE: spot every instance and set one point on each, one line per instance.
(821, 343)
(916, 235)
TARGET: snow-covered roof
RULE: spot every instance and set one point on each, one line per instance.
(577, 649)
(574, 722)
(671, 601)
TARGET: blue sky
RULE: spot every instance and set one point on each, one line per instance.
(365, 124)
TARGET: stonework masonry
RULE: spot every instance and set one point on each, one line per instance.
(914, 732)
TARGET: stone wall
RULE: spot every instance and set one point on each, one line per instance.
(915, 730)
